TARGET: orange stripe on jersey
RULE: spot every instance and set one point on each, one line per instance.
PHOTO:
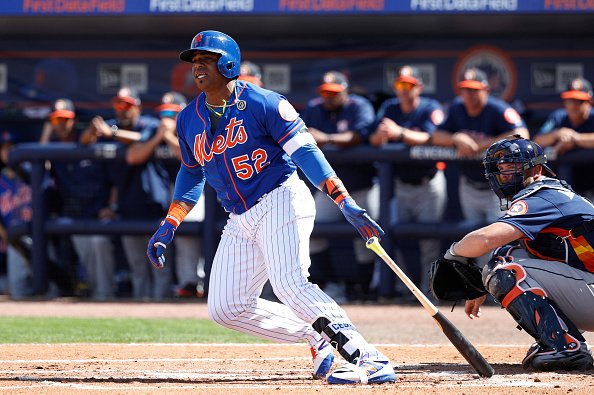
(233, 181)
(198, 112)
(240, 92)
(288, 134)
(584, 251)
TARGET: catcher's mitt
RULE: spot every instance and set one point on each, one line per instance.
(452, 280)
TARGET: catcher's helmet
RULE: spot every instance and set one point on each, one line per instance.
(217, 42)
(506, 183)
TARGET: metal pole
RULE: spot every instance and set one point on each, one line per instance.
(38, 255)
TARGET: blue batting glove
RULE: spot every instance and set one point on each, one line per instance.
(358, 217)
(158, 243)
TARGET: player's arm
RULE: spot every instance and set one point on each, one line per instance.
(305, 153)
(189, 185)
(486, 239)
(488, 141)
(141, 151)
(584, 140)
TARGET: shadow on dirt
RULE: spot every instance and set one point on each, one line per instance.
(458, 371)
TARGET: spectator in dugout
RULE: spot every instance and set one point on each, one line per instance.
(340, 119)
(189, 263)
(86, 192)
(250, 72)
(474, 121)
(15, 217)
(570, 128)
(142, 186)
(409, 119)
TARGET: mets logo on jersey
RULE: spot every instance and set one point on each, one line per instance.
(235, 134)
(518, 208)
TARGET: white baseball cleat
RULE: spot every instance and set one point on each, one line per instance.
(364, 371)
(323, 356)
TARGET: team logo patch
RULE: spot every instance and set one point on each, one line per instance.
(512, 116)
(518, 208)
(241, 105)
(287, 111)
(437, 117)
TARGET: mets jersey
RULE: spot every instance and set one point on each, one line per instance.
(243, 158)
(425, 117)
(559, 119)
(496, 118)
(556, 223)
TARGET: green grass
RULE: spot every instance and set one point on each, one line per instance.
(116, 330)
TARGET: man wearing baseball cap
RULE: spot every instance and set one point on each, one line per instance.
(60, 122)
(340, 119)
(84, 189)
(409, 119)
(128, 124)
(250, 72)
(572, 127)
(476, 120)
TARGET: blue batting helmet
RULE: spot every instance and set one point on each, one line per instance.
(217, 42)
(528, 154)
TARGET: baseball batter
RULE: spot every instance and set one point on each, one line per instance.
(246, 142)
(548, 284)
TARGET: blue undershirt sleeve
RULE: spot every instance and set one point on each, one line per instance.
(189, 184)
(313, 163)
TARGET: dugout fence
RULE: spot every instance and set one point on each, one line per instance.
(208, 230)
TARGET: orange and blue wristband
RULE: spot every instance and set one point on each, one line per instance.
(176, 214)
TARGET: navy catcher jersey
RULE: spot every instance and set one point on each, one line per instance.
(496, 118)
(356, 115)
(425, 117)
(546, 212)
(243, 158)
(559, 119)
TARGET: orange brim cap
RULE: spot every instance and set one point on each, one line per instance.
(408, 78)
(169, 107)
(471, 84)
(330, 87)
(579, 95)
(127, 99)
(62, 114)
(250, 78)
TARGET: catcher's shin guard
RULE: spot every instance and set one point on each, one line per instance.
(530, 307)
(342, 336)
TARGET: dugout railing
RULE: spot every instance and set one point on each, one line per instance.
(209, 229)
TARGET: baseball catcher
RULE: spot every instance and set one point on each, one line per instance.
(545, 282)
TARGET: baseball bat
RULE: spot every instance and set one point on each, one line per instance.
(468, 351)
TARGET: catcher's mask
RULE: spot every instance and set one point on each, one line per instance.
(506, 182)
(217, 42)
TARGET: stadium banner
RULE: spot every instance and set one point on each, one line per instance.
(280, 7)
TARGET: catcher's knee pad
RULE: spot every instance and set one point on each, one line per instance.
(530, 307)
(339, 335)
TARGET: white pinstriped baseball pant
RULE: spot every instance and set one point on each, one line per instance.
(270, 241)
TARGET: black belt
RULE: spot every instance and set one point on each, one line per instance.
(582, 229)
(481, 185)
(419, 180)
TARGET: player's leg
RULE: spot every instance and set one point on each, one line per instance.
(95, 253)
(427, 203)
(322, 270)
(540, 306)
(236, 279)
(288, 217)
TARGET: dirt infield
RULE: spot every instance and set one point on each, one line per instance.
(425, 362)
